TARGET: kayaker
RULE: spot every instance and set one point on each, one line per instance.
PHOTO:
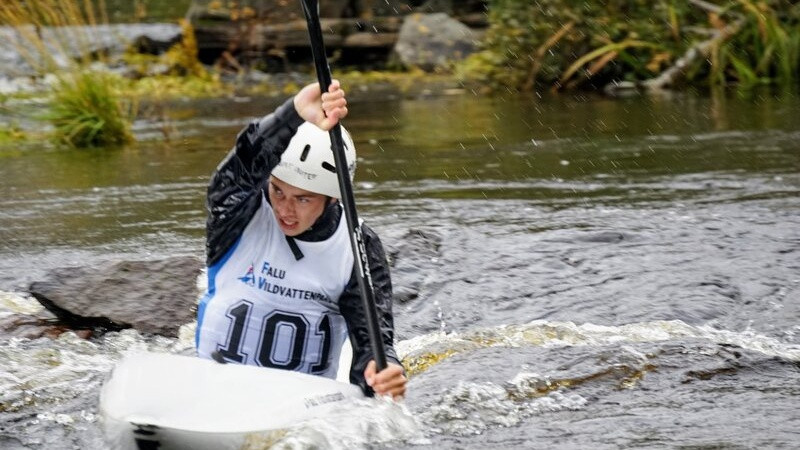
(282, 291)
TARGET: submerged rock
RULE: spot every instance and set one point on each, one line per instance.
(33, 327)
(150, 296)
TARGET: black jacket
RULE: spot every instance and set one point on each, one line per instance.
(234, 195)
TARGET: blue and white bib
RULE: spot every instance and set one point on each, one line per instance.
(264, 307)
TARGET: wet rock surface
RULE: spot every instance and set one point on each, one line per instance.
(150, 296)
(434, 40)
(36, 326)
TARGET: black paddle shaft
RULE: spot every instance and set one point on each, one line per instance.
(311, 10)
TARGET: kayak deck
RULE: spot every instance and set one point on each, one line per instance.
(159, 400)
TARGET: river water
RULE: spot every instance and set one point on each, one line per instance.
(570, 272)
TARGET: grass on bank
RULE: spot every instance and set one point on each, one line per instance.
(89, 106)
(563, 44)
(550, 43)
(766, 49)
(11, 133)
(56, 37)
(87, 111)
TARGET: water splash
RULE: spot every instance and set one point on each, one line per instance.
(421, 353)
(471, 408)
(16, 303)
(358, 424)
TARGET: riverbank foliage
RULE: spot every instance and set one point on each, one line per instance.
(11, 133)
(87, 111)
(85, 108)
(546, 44)
(89, 105)
(563, 44)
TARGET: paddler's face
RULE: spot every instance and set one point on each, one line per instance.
(295, 209)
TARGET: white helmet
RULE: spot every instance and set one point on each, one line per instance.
(308, 161)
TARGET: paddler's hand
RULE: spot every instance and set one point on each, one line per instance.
(323, 110)
(390, 380)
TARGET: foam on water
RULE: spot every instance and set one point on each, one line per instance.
(56, 383)
(471, 408)
(359, 423)
(51, 380)
(671, 212)
(17, 303)
(421, 352)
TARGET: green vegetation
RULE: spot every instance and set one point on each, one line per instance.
(89, 107)
(556, 44)
(407, 81)
(10, 133)
(765, 50)
(184, 76)
(145, 10)
(566, 44)
(87, 111)
(68, 45)
(180, 60)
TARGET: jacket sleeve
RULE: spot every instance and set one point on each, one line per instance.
(235, 187)
(352, 308)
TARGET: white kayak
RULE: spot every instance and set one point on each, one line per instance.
(165, 401)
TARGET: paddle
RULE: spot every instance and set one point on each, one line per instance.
(311, 10)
